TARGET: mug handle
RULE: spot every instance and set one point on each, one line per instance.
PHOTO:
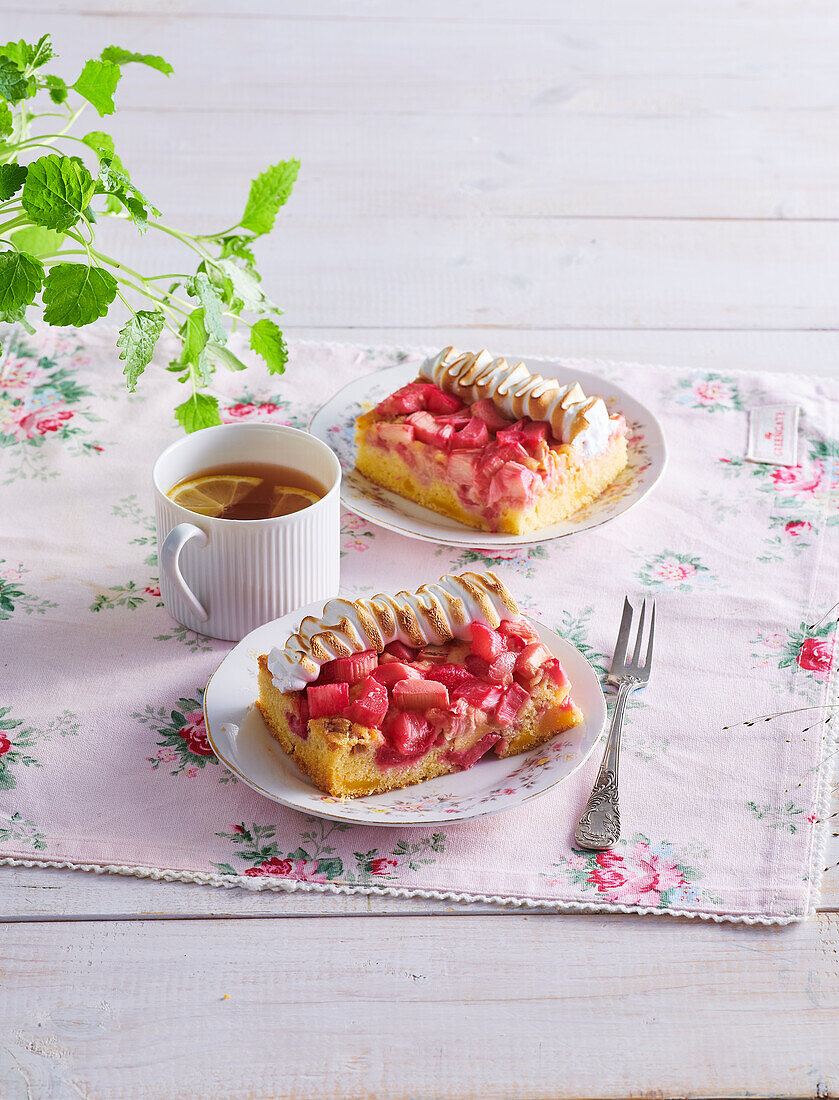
(170, 552)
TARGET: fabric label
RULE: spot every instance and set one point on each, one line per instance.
(773, 435)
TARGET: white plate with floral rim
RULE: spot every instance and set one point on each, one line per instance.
(334, 423)
(241, 739)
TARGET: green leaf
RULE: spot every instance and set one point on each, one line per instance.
(13, 84)
(198, 411)
(116, 183)
(11, 179)
(37, 240)
(200, 287)
(269, 191)
(194, 337)
(21, 276)
(75, 294)
(7, 121)
(97, 84)
(17, 317)
(56, 87)
(101, 143)
(57, 191)
(237, 246)
(267, 341)
(137, 339)
(119, 56)
(27, 56)
(247, 293)
(224, 357)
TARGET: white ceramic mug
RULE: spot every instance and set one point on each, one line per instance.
(226, 577)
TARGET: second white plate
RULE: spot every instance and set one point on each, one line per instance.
(241, 739)
(334, 423)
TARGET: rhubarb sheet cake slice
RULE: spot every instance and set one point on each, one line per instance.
(491, 445)
(384, 692)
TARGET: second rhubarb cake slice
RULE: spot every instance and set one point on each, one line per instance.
(389, 691)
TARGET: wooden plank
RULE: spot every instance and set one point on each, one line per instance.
(372, 1008)
(519, 273)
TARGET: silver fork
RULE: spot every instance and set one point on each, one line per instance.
(600, 826)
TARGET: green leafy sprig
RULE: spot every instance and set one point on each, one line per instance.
(50, 202)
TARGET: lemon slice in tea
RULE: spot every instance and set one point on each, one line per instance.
(213, 494)
(288, 499)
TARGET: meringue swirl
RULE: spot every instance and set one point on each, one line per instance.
(580, 421)
(435, 613)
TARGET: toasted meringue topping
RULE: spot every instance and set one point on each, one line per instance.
(434, 614)
(574, 418)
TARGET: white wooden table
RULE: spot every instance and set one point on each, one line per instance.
(656, 181)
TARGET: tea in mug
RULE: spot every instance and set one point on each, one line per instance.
(247, 490)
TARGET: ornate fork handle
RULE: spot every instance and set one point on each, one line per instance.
(600, 826)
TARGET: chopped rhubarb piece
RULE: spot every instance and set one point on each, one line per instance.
(327, 699)
(433, 653)
(513, 452)
(512, 436)
(457, 419)
(350, 670)
(486, 642)
(370, 708)
(440, 402)
(392, 672)
(407, 399)
(511, 706)
(476, 665)
(462, 467)
(486, 411)
(400, 651)
(518, 628)
(420, 694)
(535, 431)
(512, 485)
(428, 430)
(474, 434)
(450, 675)
(411, 734)
(556, 672)
(531, 659)
(395, 432)
(485, 697)
(501, 669)
(471, 756)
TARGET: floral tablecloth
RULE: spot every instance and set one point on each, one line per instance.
(104, 759)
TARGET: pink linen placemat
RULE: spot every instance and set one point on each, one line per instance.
(104, 760)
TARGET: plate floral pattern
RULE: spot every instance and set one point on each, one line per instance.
(334, 423)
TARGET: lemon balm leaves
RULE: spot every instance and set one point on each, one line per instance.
(14, 85)
(200, 287)
(21, 276)
(97, 83)
(37, 241)
(119, 56)
(269, 191)
(136, 341)
(11, 179)
(77, 294)
(57, 191)
(224, 357)
(198, 411)
(267, 341)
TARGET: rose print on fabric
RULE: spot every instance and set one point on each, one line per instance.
(17, 737)
(19, 830)
(799, 490)
(522, 560)
(356, 534)
(671, 571)
(807, 650)
(247, 407)
(794, 537)
(41, 406)
(636, 873)
(320, 857)
(711, 392)
(182, 737)
(788, 817)
(13, 597)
